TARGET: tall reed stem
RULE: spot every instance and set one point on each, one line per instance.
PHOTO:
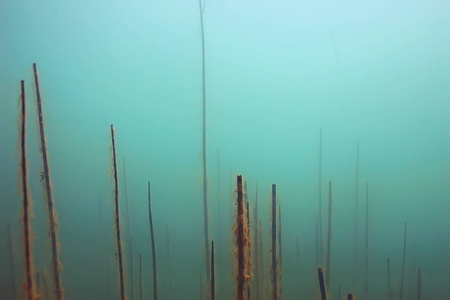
(59, 292)
(323, 290)
(213, 277)
(29, 285)
(366, 258)
(241, 240)
(403, 265)
(205, 178)
(117, 218)
(330, 199)
(355, 233)
(152, 236)
(274, 268)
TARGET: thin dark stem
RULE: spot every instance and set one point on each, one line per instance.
(117, 218)
(320, 236)
(152, 236)
(366, 259)
(355, 233)
(240, 239)
(140, 276)
(330, 199)
(274, 268)
(205, 177)
(213, 277)
(323, 290)
(49, 194)
(419, 285)
(403, 266)
(256, 247)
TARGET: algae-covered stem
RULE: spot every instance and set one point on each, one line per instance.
(403, 265)
(12, 266)
(366, 258)
(205, 178)
(29, 289)
(249, 250)
(328, 265)
(256, 247)
(152, 236)
(49, 194)
(323, 291)
(241, 240)
(117, 218)
(213, 277)
(274, 271)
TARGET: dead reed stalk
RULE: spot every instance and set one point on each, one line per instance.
(53, 223)
(117, 218)
(152, 236)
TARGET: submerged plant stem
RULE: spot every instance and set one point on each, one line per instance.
(117, 219)
(49, 194)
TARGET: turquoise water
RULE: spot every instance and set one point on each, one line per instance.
(277, 73)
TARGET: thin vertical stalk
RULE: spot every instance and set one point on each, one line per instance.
(323, 290)
(241, 240)
(53, 227)
(213, 277)
(140, 276)
(330, 199)
(355, 231)
(419, 285)
(403, 265)
(256, 248)
(152, 236)
(320, 236)
(131, 268)
(117, 218)
(317, 243)
(205, 178)
(280, 268)
(274, 268)
(390, 290)
(366, 258)
(29, 285)
(12, 265)
(249, 250)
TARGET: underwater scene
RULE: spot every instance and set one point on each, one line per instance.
(193, 149)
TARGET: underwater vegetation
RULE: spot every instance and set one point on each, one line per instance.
(160, 225)
(250, 266)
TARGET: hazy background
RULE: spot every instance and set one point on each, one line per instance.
(277, 72)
